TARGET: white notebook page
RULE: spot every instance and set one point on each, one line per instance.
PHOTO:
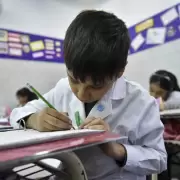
(26, 137)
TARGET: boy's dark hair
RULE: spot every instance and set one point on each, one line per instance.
(25, 92)
(96, 45)
(166, 80)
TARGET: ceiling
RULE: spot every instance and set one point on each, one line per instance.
(83, 2)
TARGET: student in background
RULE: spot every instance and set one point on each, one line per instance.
(24, 95)
(164, 86)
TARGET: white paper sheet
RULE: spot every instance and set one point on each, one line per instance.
(3, 48)
(15, 51)
(3, 120)
(21, 137)
(137, 42)
(169, 16)
(156, 35)
(38, 54)
(3, 36)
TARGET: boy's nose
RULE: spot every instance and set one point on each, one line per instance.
(83, 95)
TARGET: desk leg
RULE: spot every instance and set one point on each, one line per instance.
(169, 167)
(73, 166)
(154, 177)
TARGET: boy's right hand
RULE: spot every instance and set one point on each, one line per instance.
(49, 120)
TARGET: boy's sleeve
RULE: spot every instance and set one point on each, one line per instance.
(148, 156)
(35, 105)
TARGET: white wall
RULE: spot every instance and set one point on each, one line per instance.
(52, 17)
(143, 64)
(49, 18)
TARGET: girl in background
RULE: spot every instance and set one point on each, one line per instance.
(164, 85)
(24, 95)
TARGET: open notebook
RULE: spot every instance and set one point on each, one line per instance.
(19, 138)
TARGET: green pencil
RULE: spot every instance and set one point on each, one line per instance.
(78, 119)
(40, 96)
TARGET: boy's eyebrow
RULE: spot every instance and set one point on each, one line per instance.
(94, 84)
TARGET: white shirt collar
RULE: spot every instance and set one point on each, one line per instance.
(118, 90)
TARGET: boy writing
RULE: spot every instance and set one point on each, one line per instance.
(95, 51)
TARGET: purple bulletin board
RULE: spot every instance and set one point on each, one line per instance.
(154, 31)
(25, 46)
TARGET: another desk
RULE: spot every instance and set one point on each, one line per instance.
(170, 114)
(171, 120)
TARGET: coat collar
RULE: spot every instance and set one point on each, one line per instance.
(118, 90)
(102, 108)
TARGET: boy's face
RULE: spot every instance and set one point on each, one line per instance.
(88, 92)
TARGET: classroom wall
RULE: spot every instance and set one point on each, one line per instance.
(51, 18)
(143, 64)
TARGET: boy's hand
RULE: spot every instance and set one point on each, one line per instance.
(95, 123)
(161, 104)
(112, 149)
(49, 120)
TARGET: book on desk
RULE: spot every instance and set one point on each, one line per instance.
(172, 113)
(21, 137)
(4, 121)
(20, 144)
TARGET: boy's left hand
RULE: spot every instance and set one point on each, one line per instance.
(95, 123)
(111, 149)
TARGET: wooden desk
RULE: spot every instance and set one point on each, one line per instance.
(170, 114)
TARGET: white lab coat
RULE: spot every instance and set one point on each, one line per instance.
(130, 111)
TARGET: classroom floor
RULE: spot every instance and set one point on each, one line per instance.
(33, 171)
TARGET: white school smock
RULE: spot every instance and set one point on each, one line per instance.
(130, 111)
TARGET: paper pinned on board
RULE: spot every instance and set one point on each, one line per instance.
(169, 16)
(38, 54)
(137, 42)
(3, 36)
(3, 48)
(37, 45)
(15, 51)
(156, 35)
